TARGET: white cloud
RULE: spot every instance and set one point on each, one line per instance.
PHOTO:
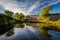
(16, 6)
(13, 5)
(35, 5)
(41, 3)
(54, 2)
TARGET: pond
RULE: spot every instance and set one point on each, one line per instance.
(27, 32)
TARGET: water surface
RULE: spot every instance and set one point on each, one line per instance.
(28, 32)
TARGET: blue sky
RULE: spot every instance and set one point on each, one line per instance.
(29, 6)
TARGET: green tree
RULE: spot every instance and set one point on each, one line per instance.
(45, 10)
(18, 16)
(22, 16)
(9, 13)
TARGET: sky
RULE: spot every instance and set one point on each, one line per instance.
(29, 6)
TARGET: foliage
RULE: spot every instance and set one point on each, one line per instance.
(44, 10)
(9, 13)
(5, 19)
(55, 25)
(18, 16)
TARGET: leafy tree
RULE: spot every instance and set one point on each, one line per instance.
(9, 13)
(22, 16)
(18, 16)
(44, 10)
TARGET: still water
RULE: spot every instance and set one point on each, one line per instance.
(28, 32)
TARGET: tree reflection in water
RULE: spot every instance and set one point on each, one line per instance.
(10, 33)
(5, 28)
(43, 30)
(18, 25)
(9, 29)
